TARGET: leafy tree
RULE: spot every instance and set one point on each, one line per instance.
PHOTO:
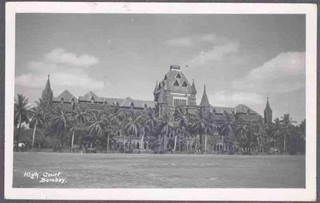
(79, 120)
(201, 125)
(21, 110)
(60, 122)
(288, 129)
(39, 118)
(133, 127)
(182, 118)
(165, 129)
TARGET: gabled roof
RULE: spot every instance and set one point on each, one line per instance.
(241, 108)
(90, 95)
(221, 110)
(113, 101)
(137, 103)
(65, 96)
(175, 75)
(204, 100)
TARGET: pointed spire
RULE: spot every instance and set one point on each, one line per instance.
(204, 100)
(47, 93)
(268, 113)
(193, 88)
(268, 105)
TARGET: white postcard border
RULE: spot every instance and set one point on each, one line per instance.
(309, 193)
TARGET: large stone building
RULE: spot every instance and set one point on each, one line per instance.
(174, 90)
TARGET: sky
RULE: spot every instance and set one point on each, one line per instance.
(242, 59)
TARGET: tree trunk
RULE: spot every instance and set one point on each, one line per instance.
(284, 144)
(108, 142)
(34, 134)
(124, 146)
(72, 140)
(60, 142)
(200, 135)
(205, 144)
(141, 146)
(159, 143)
(175, 143)
(18, 136)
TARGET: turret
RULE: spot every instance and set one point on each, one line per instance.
(267, 113)
(193, 88)
(47, 93)
(204, 100)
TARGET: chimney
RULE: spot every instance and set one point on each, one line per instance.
(175, 67)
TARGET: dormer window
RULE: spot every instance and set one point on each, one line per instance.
(117, 104)
(178, 76)
(184, 84)
(131, 105)
(62, 100)
(145, 106)
(92, 100)
(176, 83)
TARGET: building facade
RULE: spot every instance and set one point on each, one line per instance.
(173, 91)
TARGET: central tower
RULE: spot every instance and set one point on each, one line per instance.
(174, 90)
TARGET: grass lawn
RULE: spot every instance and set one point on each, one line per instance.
(159, 171)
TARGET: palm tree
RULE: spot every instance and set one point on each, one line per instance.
(181, 117)
(241, 134)
(60, 121)
(133, 127)
(38, 119)
(165, 128)
(228, 127)
(78, 122)
(21, 109)
(98, 126)
(288, 129)
(276, 130)
(261, 135)
(201, 125)
(150, 123)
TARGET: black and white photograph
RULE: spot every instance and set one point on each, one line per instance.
(160, 101)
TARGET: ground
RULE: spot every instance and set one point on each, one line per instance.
(158, 171)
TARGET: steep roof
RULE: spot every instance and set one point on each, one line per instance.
(112, 101)
(89, 96)
(47, 92)
(268, 105)
(66, 96)
(241, 108)
(176, 81)
(137, 103)
(221, 110)
(193, 88)
(204, 100)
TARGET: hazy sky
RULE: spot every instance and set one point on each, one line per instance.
(241, 58)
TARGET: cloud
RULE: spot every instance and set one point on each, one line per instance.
(227, 99)
(60, 56)
(181, 42)
(284, 73)
(60, 76)
(193, 40)
(216, 53)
